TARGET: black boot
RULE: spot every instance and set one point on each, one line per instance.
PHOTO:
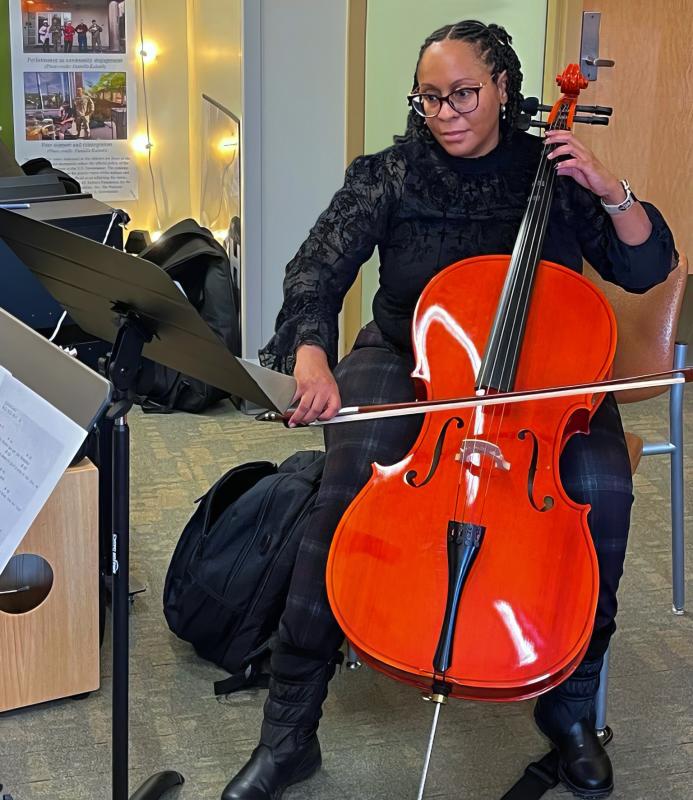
(566, 716)
(288, 751)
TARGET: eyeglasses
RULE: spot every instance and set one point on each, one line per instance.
(462, 100)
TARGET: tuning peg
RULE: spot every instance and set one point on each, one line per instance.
(592, 120)
(532, 106)
(605, 111)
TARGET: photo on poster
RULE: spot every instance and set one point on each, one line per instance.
(64, 106)
(73, 26)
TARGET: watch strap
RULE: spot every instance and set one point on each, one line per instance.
(624, 205)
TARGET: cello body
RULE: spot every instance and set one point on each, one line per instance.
(520, 621)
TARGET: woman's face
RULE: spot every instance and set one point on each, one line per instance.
(449, 65)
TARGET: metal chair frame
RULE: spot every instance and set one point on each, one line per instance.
(674, 448)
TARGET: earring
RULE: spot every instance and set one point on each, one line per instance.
(502, 108)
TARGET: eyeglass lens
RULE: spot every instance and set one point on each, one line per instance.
(462, 100)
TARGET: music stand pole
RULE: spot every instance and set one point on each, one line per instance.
(123, 364)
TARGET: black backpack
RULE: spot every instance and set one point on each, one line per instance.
(193, 258)
(41, 166)
(229, 576)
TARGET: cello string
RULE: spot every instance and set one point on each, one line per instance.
(530, 253)
(532, 224)
(527, 255)
(519, 272)
(544, 212)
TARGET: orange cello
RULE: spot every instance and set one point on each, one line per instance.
(465, 569)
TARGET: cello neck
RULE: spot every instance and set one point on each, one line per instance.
(499, 364)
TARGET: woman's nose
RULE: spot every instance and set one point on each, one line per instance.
(446, 111)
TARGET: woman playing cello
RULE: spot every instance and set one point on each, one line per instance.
(455, 185)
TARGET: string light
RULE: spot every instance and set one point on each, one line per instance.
(148, 51)
(228, 145)
(142, 144)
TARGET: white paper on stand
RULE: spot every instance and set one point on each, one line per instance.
(37, 443)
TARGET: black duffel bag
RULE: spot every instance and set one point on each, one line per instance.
(227, 583)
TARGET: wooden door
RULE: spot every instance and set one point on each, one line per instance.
(650, 137)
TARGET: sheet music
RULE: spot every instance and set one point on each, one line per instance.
(37, 443)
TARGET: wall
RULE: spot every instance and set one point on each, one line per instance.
(199, 44)
(214, 69)
(7, 133)
(395, 31)
(164, 22)
(293, 140)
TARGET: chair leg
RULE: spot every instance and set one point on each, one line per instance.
(603, 730)
(677, 509)
(352, 659)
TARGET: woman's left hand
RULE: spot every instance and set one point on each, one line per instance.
(583, 166)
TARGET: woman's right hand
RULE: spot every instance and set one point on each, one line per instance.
(317, 394)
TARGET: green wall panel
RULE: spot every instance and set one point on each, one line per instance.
(6, 134)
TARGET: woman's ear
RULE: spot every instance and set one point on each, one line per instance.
(502, 84)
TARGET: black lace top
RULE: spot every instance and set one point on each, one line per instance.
(424, 210)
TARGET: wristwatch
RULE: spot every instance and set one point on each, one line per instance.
(624, 205)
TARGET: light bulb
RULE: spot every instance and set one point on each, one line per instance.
(227, 145)
(148, 51)
(155, 236)
(142, 143)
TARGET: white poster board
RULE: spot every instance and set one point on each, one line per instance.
(74, 90)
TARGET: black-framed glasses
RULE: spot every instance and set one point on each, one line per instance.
(462, 100)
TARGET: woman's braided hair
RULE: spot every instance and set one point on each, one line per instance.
(493, 44)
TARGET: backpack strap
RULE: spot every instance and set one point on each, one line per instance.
(542, 775)
(152, 407)
(252, 677)
(539, 777)
(254, 672)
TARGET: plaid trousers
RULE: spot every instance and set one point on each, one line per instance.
(594, 469)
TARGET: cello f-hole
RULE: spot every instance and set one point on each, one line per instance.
(410, 476)
(532, 472)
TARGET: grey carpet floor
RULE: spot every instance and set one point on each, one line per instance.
(374, 731)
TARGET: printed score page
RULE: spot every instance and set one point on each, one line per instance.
(37, 443)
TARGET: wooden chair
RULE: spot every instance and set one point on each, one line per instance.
(647, 326)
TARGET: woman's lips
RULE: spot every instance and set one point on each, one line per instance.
(453, 136)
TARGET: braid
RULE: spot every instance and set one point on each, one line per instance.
(493, 44)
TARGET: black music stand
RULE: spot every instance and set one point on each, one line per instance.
(133, 303)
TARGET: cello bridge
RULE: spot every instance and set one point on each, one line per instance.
(480, 447)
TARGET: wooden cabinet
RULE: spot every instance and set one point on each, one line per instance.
(49, 599)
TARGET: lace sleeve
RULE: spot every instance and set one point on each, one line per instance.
(635, 268)
(327, 263)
